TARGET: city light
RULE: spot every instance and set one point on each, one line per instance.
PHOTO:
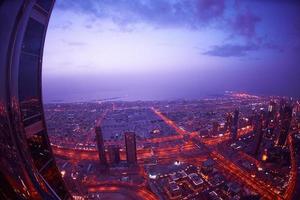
(148, 100)
(63, 172)
(152, 176)
(177, 163)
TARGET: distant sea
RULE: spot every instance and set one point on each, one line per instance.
(119, 96)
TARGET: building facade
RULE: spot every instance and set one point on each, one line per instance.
(130, 143)
(100, 146)
(28, 169)
(285, 122)
(235, 125)
(114, 154)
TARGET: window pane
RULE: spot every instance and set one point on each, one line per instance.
(29, 85)
(28, 77)
(45, 4)
(33, 37)
(39, 149)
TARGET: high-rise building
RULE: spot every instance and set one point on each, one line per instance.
(228, 124)
(130, 143)
(100, 145)
(28, 168)
(234, 132)
(114, 154)
(271, 114)
(258, 130)
(285, 122)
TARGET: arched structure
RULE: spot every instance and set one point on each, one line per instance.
(27, 166)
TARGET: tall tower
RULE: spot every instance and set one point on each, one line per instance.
(114, 154)
(229, 122)
(235, 125)
(285, 123)
(100, 145)
(130, 143)
(258, 129)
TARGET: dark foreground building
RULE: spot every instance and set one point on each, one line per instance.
(114, 154)
(235, 127)
(27, 166)
(285, 123)
(130, 143)
(100, 146)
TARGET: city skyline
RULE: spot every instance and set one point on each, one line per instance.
(170, 49)
(149, 99)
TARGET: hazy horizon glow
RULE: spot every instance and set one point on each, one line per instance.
(171, 49)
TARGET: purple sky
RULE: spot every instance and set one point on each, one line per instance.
(160, 49)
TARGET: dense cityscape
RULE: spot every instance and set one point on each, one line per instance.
(149, 100)
(231, 146)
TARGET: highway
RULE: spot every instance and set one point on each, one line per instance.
(127, 191)
(170, 153)
(226, 165)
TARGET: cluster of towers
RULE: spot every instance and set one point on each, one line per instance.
(232, 124)
(273, 123)
(114, 150)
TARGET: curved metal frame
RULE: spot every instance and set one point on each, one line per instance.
(28, 169)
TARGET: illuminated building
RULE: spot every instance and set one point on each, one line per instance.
(28, 169)
(264, 156)
(272, 107)
(208, 166)
(271, 113)
(235, 125)
(130, 143)
(100, 146)
(114, 154)
(174, 189)
(298, 107)
(228, 125)
(258, 130)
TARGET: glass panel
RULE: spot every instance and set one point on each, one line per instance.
(39, 149)
(53, 177)
(29, 86)
(45, 4)
(31, 120)
(33, 37)
(10, 163)
(28, 77)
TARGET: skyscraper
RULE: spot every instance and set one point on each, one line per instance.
(228, 122)
(285, 122)
(114, 154)
(100, 145)
(234, 132)
(130, 143)
(258, 130)
(271, 113)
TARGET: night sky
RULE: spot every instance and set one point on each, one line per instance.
(170, 49)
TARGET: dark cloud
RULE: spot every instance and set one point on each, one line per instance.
(245, 24)
(237, 50)
(230, 50)
(208, 9)
(291, 2)
(160, 13)
(194, 14)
